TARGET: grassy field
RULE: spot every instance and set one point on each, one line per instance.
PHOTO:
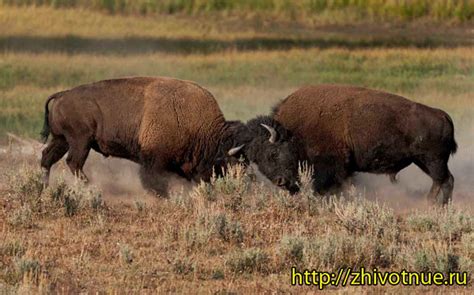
(232, 236)
(457, 10)
(248, 67)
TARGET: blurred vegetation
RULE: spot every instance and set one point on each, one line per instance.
(248, 64)
(459, 10)
(245, 84)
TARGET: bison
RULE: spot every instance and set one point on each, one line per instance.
(163, 124)
(347, 129)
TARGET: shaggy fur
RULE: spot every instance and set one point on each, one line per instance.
(164, 124)
(346, 129)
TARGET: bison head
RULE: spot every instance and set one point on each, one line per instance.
(268, 144)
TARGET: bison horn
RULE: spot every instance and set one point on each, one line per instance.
(235, 150)
(273, 133)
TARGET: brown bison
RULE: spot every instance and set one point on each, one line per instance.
(345, 129)
(164, 124)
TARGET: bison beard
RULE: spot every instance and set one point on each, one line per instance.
(164, 124)
(346, 129)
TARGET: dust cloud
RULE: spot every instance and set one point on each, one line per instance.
(119, 179)
(120, 182)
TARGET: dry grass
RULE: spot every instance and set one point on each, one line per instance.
(457, 10)
(224, 236)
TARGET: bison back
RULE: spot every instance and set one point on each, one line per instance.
(367, 129)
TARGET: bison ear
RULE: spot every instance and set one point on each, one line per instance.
(235, 150)
(273, 133)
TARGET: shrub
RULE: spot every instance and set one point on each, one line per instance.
(234, 181)
(232, 186)
(27, 266)
(228, 230)
(12, 248)
(140, 206)
(467, 245)
(336, 250)
(217, 274)
(126, 254)
(305, 173)
(26, 186)
(197, 237)
(454, 223)
(248, 261)
(466, 262)
(361, 216)
(422, 222)
(75, 197)
(291, 249)
(435, 258)
(229, 189)
(21, 217)
(446, 224)
(183, 266)
(204, 191)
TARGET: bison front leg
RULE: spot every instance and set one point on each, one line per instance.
(55, 150)
(153, 181)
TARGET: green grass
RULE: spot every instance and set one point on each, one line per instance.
(247, 64)
(27, 79)
(459, 10)
(395, 70)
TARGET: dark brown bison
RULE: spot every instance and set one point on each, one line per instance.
(345, 129)
(164, 124)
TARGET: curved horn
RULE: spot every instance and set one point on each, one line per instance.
(235, 150)
(273, 133)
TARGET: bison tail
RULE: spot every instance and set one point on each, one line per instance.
(452, 145)
(46, 128)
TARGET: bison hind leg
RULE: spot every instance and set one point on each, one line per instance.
(447, 188)
(53, 152)
(77, 156)
(393, 178)
(443, 180)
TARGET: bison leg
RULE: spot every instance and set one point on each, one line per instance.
(393, 178)
(434, 191)
(55, 150)
(76, 158)
(447, 188)
(442, 179)
(153, 182)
